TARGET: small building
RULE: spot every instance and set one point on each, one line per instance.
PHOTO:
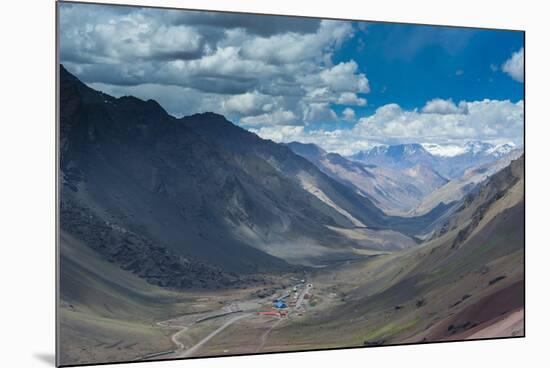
(279, 304)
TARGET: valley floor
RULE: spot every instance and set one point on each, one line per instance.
(433, 292)
(338, 312)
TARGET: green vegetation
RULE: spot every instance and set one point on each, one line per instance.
(391, 329)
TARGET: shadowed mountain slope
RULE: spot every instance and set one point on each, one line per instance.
(392, 190)
(200, 187)
(453, 287)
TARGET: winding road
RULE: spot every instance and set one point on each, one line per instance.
(198, 345)
(181, 352)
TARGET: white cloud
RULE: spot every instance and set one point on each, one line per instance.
(344, 77)
(348, 114)
(279, 117)
(125, 37)
(283, 133)
(249, 103)
(318, 112)
(270, 78)
(294, 47)
(441, 106)
(514, 66)
(223, 62)
(484, 120)
(350, 98)
(341, 141)
(176, 99)
(487, 120)
(258, 68)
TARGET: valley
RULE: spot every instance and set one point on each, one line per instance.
(187, 237)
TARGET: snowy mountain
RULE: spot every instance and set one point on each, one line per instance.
(449, 160)
(470, 148)
(394, 191)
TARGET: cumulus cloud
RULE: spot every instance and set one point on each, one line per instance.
(348, 114)
(265, 26)
(282, 134)
(441, 106)
(258, 67)
(487, 120)
(294, 47)
(249, 103)
(279, 117)
(341, 140)
(318, 112)
(119, 37)
(274, 75)
(514, 66)
(350, 98)
(344, 77)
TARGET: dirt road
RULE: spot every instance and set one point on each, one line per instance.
(301, 297)
(189, 352)
(239, 309)
(263, 338)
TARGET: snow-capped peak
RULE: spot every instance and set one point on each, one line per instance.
(502, 149)
(477, 147)
(471, 147)
(447, 150)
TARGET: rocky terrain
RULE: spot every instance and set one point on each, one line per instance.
(450, 166)
(393, 190)
(205, 189)
(135, 253)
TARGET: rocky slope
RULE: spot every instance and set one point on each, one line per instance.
(460, 284)
(201, 188)
(394, 191)
(456, 189)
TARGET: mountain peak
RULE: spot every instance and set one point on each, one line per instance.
(210, 120)
(401, 150)
(476, 147)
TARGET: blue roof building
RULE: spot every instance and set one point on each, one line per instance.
(279, 304)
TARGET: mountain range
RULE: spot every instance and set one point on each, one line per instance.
(450, 161)
(216, 200)
(212, 196)
(395, 191)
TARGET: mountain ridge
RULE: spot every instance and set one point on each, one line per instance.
(201, 186)
(394, 191)
(451, 161)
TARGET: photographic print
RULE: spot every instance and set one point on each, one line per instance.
(233, 183)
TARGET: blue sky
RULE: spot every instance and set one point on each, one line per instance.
(345, 86)
(411, 64)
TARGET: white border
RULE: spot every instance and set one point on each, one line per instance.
(27, 181)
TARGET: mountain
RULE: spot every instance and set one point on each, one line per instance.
(394, 191)
(139, 184)
(458, 188)
(466, 282)
(451, 161)
(477, 207)
(397, 156)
